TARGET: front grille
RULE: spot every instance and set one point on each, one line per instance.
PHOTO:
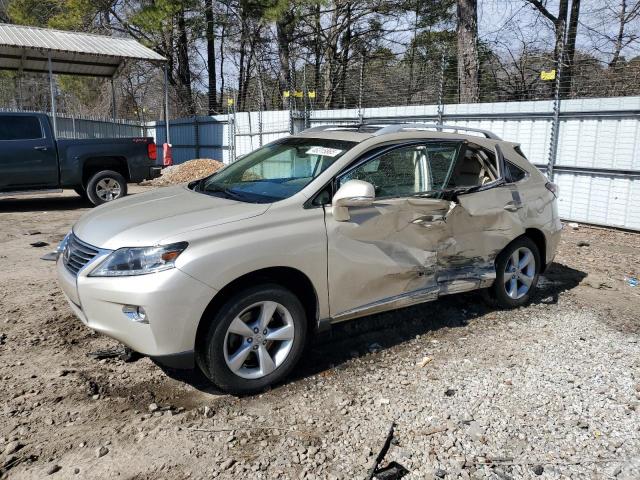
(77, 254)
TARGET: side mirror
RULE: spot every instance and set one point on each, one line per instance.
(354, 193)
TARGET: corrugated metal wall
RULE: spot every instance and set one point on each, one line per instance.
(71, 127)
(200, 137)
(597, 166)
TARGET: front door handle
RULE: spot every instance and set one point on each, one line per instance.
(41, 148)
(429, 219)
(512, 207)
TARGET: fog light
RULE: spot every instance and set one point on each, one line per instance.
(135, 313)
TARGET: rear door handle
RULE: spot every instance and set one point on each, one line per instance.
(41, 148)
(429, 219)
(512, 207)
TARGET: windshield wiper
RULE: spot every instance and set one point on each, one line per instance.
(224, 190)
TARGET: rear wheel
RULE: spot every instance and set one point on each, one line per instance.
(254, 340)
(106, 186)
(517, 270)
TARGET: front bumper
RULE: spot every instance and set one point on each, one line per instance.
(174, 303)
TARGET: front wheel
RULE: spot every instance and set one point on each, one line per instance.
(517, 270)
(106, 186)
(254, 340)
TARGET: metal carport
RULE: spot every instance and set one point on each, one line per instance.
(42, 50)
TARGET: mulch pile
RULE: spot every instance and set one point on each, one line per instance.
(186, 172)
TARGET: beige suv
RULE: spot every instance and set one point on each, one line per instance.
(235, 272)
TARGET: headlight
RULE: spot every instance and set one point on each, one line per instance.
(62, 245)
(139, 261)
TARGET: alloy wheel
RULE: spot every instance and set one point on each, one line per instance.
(259, 340)
(108, 189)
(519, 273)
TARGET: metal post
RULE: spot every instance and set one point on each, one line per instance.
(291, 98)
(114, 111)
(360, 92)
(73, 127)
(19, 79)
(441, 91)
(261, 88)
(305, 97)
(262, 102)
(235, 124)
(166, 105)
(53, 99)
(229, 132)
(555, 125)
(196, 136)
(250, 129)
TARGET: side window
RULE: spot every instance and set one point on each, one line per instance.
(514, 173)
(20, 127)
(407, 170)
(476, 167)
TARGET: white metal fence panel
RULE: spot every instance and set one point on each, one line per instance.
(599, 199)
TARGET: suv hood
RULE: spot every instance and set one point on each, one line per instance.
(145, 219)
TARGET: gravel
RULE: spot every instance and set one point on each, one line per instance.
(547, 391)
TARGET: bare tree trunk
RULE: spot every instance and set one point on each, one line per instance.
(284, 32)
(211, 57)
(330, 58)
(570, 50)
(223, 33)
(346, 46)
(620, 36)
(317, 47)
(468, 67)
(560, 24)
(412, 57)
(241, 66)
(184, 71)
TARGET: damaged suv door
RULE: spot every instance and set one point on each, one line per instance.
(384, 254)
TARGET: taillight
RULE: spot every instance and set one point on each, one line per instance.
(553, 188)
(152, 151)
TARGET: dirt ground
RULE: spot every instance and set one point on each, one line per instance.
(547, 391)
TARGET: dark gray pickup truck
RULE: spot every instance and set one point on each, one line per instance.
(33, 161)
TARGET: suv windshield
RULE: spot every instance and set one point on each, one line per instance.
(275, 171)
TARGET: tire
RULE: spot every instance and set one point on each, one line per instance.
(227, 340)
(514, 292)
(81, 191)
(106, 186)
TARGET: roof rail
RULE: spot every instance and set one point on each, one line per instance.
(386, 128)
(399, 127)
(335, 128)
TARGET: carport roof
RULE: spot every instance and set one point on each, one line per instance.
(28, 49)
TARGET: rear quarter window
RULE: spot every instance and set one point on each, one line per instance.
(20, 127)
(515, 173)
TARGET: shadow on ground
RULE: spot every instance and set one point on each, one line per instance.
(42, 204)
(386, 330)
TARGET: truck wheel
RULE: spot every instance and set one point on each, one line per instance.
(254, 340)
(106, 186)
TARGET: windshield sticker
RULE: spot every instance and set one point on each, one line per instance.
(324, 151)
